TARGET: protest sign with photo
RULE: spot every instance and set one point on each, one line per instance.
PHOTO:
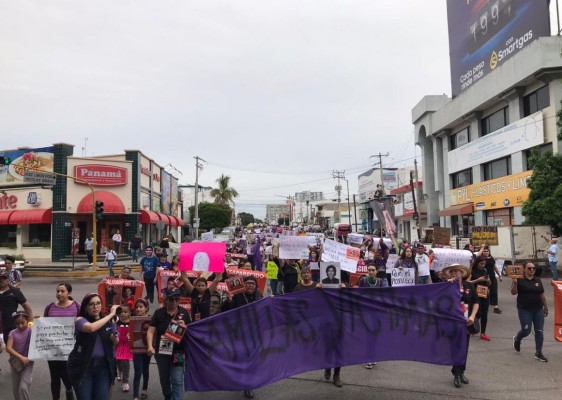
(174, 332)
(111, 291)
(235, 284)
(515, 271)
(295, 247)
(138, 326)
(347, 256)
(52, 338)
(446, 257)
(402, 277)
(202, 256)
(330, 275)
(260, 276)
(171, 279)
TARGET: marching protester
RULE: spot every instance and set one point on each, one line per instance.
(531, 308)
(492, 272)
(135, 246)
(126, 273)
(380, 263)
(17, 347)
(141, 362)
(65, 306)
(481, 280)
(307, 281)
(200, 295)
(250, 295)
(170, 355)
(123, 364)
(407, 260)
(272, 268)
(422, 261)
(13, 274)
(470, 304)
(291, 275)
(371, 281)
(10, 299)
(149, 265)
(91, 363)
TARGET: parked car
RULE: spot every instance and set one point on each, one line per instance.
(19, 265)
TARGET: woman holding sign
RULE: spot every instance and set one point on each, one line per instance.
(65, 306)
(200, 295)
(479, 277)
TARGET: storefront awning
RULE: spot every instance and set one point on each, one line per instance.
(176, 221)
(112, 204)
(459, 209)
(25, 217)
(165, 218)
(149, 217)
(4, 217)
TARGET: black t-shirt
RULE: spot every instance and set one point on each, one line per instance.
(469, 296)
(136, 243)
(490, 267)
(9, 301)
(479, 273)
(529, 293)
(161, 320)
(290, 278)
(201, 304)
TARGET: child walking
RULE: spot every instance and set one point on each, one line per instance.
(18, 349)
(123, 349)
(141, 361)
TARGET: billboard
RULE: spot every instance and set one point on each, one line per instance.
(40, 159)
(483, 34)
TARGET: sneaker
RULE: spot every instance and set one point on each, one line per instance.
(497, 310)
(125, 387)
(540, 357)
(337, 381)
(516, 344)
(485, 337)
(327, 374)
(369, 365)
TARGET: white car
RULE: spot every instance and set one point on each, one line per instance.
(19, 264)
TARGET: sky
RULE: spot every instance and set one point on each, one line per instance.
(276, 94)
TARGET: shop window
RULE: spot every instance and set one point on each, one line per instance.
(462, 178)
(500, 217)
(460, 138)
(39, 235)
(545, 148)
(8, 236)
(495, 121)
(536, 101)
(497, 168)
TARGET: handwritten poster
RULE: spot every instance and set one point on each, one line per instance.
(295, 247)
(445, 257)
(52, 338)
(347, 256)
(207, 236)
(402, 277)
(354, 238)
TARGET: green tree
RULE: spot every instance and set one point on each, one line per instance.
(212, 215)
(224, 194)
(246, 218)
(544, 205)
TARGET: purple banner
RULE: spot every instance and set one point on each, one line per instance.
(282, 336)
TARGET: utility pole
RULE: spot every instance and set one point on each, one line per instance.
(198, 166)
(380, 156)
(341, 175)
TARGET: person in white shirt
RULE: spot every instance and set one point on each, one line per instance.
(117, 241)
(553, 258)
(422, 260)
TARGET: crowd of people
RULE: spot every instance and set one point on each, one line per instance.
(93, 367)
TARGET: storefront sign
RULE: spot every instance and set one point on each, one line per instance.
(8, 202)
(485, 234)
(145, 171)
(101, 175)
(505, 192)
(37, 159)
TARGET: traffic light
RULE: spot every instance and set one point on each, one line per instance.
(99, 210)
(5, 160)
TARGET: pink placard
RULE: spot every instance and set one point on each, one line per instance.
(202, 256)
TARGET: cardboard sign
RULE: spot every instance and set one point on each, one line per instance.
(52, 338)
(402, 277)
(482, 291)
(111, 291)
(330, 275)
(445, 257)
(207, 236)
(391, 262)
(441, 236)
(202, 256)
(347, 256)
(174, 332)
(138, 326)
(235, 284)
(169, 280)
(485, 234)
(295, 247)
(260, 276)
(515, 271)
(354, 238)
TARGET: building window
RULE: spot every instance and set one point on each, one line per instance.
(500, 217)
(40, 235)
(545, 148)
(8, 236)
(495, 121)
(536, 101)
(460, 138)
(497, 168)
(462, 178)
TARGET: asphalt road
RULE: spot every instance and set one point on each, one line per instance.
(494, 369)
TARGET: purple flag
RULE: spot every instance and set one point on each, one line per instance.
(257, 255)
(282, 336)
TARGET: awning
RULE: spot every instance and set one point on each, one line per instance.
(112, 204)
(4, 217)
(25, 217)
(149, 217)
(176, 221)
(459, 209)
(165, 218)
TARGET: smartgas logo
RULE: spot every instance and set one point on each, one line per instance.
(494, 60)
(512, 45)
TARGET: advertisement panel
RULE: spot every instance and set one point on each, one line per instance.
(518, 136)
(504, 192)
(40, 159)
(483, 34)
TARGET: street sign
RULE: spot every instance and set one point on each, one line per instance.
(40, 178)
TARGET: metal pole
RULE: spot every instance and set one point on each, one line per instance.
(558, 17)
(349, 207)
(196, 217)
(355, 212)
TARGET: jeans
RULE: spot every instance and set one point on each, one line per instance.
(141, 364)
(554, 269)
(149, 285)
(135, 254)
(90, 255)
(423, 280)
(110, 267)
(123, 367)
(116, 246)
(97, 381)
(536, 318)
(273, 285)
(171, 377)
(58, 372)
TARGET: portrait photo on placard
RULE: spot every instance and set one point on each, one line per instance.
(330, 274)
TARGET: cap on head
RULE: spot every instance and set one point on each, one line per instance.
(173, 292)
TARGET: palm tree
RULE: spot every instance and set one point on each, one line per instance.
(224, 194)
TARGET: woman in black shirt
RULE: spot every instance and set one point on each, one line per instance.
(200, 295)
(531, 307)
(480, 277)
